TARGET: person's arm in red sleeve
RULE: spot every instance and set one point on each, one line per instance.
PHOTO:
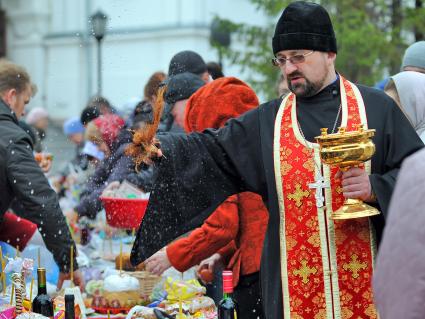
(227, 252)
(217, 231)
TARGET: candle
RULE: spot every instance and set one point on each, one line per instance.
(109, 314)
(103, 248)
(32, 284)
(4, 279)
(133, 232)
(180, 305)
(3, 275)
(39, 259)
(17, 251)
(72, 265)
(12, 293)
(4, 265)
(120, 257)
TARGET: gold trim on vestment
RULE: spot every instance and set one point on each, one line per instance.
(344, 103)
(327, 269)
(281, 201)
(332, 247)
(368, 169)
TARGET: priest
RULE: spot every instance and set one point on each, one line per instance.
(312, 266)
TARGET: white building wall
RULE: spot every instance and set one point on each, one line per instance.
(51, 39)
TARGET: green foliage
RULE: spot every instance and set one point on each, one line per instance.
(370, 37)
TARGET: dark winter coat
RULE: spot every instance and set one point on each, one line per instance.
(143, 179)
(114, 168)
(23, 179)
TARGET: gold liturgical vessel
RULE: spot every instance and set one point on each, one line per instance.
(344, 150)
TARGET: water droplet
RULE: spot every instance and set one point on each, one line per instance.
(32, 192)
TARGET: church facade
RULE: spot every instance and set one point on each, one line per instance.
(52, 39)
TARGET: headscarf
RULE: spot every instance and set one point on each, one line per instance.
(91, 149)
(411, 91)
(35, 115)
(414, 55)
(216, 102)
(104, 128)
(73, 126)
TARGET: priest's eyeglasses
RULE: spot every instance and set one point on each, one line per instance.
(296, 59)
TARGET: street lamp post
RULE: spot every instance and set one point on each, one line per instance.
(219, 36)
(98, 29)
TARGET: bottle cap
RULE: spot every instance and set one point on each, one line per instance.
(41, 275)
(227, 281)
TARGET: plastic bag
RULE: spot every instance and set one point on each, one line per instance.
(183, 290)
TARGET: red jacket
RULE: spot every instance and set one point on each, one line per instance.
(235, 230)
(16, 231)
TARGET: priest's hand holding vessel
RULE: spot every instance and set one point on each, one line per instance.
(344, 150)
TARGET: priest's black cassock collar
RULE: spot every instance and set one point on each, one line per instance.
(319, 110)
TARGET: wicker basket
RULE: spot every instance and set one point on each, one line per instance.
(147, 281)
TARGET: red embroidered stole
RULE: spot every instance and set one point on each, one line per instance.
(326, 265)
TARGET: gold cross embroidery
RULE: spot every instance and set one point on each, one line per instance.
(354, 266)
(298, 195)
(304, 271)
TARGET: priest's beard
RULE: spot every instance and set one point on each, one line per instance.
(306, 89)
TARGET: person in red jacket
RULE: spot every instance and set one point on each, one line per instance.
(234, 233)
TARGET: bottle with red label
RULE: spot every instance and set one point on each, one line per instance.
(227, 307)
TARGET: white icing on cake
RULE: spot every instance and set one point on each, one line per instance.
(30, 315)
(120, 283)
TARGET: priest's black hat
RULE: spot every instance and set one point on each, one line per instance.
(304, 25)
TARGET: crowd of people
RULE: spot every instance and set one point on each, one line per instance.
(234, 177)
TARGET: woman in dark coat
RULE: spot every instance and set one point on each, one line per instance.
(108, 134)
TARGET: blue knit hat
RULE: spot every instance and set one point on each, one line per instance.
(415, 55)
(73, 126)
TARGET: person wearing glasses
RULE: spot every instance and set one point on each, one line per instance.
(312, 266)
